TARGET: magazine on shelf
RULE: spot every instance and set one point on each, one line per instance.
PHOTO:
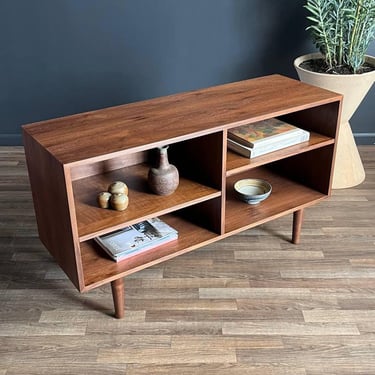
(273, 133)
(137, 238)
(250, 152)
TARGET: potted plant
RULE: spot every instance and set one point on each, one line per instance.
(342, 31)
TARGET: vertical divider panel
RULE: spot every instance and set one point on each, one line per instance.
(202, 159)
(224, 181)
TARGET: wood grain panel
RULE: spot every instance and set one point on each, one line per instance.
(230, 104)
(168, 356)
(51, 196)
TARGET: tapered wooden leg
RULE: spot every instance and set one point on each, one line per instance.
(118, 297)
(297, 226)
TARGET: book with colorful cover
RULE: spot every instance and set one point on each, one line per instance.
(268, 131)
(250, 152)
(137, 238)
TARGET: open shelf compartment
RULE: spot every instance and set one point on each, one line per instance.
(237, 163)
(99, 269)
(93, 221)
(287, 196)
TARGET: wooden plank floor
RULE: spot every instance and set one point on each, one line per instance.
(251, 304)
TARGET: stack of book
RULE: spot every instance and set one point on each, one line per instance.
(136, 239)
(265, 136)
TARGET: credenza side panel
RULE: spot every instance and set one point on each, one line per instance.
(49, 190)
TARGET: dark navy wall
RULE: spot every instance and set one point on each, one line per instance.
(59, 57)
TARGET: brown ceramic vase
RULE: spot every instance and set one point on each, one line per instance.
(163, 179)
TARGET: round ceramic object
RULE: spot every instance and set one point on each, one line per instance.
(103, 199)
(118, 187)
(119, 202)
(252, 190)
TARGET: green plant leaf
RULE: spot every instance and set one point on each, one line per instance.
(342, 29)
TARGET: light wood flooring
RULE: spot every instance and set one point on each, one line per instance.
(251, 304)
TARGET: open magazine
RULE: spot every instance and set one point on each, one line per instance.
(137, 238)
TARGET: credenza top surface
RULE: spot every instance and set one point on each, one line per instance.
(154, 122)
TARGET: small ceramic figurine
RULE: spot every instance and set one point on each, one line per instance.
(119, 202)
(118, 187)
(116, 197)
(103, 199)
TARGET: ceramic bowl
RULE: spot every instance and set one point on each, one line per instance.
(252, 190)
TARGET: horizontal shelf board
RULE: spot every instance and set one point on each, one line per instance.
(93, 221)
(99, 269)
(237, 163)
(286, 197)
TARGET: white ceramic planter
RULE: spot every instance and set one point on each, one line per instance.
(348, 170)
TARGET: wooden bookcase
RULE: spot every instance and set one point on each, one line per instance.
(71, 159)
